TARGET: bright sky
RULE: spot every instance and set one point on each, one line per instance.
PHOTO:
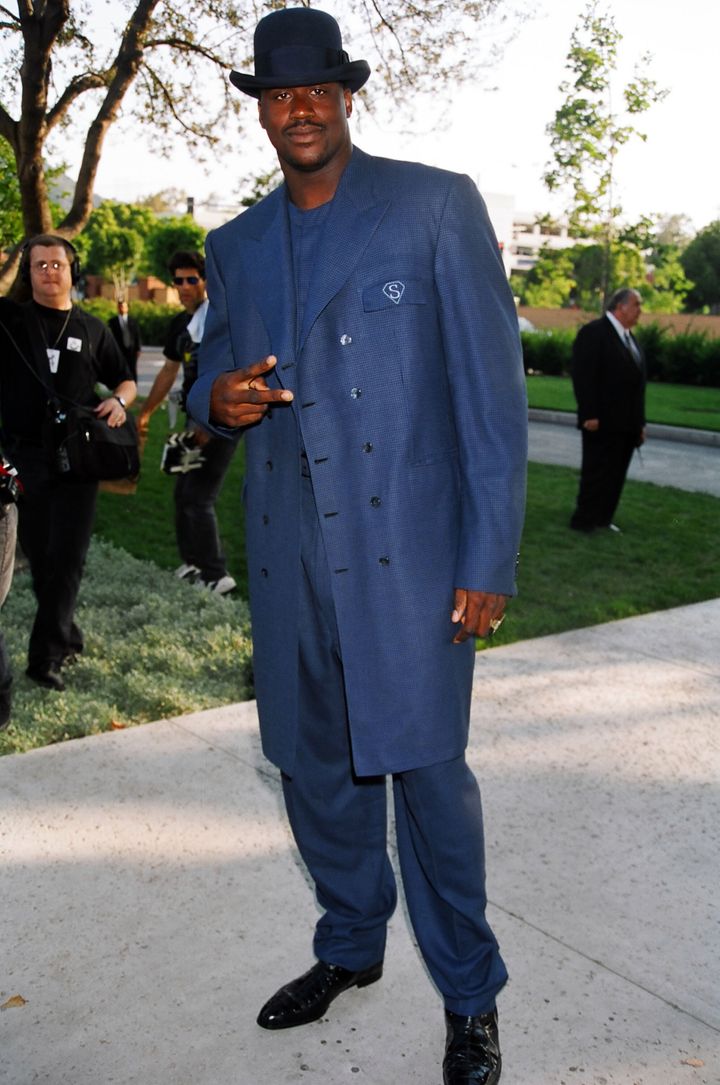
(498, 135)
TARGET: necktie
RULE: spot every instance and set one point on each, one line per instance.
(632, 347)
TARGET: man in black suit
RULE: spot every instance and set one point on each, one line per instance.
(127, 335)
(608, 373)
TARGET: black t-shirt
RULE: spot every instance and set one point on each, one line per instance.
(179, 347)
(87, 355)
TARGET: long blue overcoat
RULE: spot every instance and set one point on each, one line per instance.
(410, 404)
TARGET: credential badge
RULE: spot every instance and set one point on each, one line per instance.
(394, 291)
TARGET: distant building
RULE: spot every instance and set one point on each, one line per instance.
(522, 235)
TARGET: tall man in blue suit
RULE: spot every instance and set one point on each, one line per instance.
(362, 333)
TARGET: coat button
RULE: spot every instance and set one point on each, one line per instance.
(346, 340)
(375, 502)
(384, 561)
(355, 393)
(264, 572)
(269, 465)
(266, 519)
(367, 447)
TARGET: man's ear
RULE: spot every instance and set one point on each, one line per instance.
(347, 94)
(260, 116)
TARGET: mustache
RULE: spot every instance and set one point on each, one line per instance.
(302, 124)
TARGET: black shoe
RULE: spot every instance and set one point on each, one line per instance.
(472, 1050)
(308, 997)
(47, 675)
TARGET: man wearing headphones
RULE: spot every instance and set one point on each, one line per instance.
(53, 350)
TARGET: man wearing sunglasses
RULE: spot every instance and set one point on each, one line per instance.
(196, 490)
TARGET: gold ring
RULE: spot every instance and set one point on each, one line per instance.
(495, 623)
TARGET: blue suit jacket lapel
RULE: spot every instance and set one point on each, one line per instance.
(267, 257)
(354, 216)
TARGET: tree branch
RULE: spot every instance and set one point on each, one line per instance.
(185, 46)
(78, 85)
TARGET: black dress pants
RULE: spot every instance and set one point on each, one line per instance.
(196, 527)
(606, 456)
(55, 526)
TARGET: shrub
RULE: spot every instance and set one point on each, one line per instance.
(548, 353)
(691, 358)
(152, 317)
(155, 647)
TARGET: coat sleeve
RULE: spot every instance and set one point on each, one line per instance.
(484, 363)
(586, 365)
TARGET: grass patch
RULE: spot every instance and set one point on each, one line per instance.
(166, 649)
(668, 555)
(667, 404)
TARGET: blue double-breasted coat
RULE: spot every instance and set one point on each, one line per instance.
(410, 404)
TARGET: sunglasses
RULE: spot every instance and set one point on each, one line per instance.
(192, 280)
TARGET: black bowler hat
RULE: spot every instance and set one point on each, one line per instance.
(296, 47)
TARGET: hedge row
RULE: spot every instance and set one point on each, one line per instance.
(152, 318)
(689, 358)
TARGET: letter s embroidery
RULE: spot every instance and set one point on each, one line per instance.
(394, 291)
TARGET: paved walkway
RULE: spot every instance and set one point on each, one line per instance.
(152, 898)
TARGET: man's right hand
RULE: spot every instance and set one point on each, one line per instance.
(242, 397)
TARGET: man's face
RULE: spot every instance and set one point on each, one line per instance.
(307, 126)
(628, 312)
(50, 276)
(122, 308)
(190, 287)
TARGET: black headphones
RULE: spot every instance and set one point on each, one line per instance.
(48, 240)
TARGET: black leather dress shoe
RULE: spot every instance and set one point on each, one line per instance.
(48, 676)
(308, 997)
(472, 1050)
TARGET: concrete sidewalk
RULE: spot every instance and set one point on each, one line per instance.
(688, 459)
(152, 897)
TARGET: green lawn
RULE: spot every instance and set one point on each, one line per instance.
(669, 404)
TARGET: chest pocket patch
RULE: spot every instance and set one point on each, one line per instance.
(394, 293)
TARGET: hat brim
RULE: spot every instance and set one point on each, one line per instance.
(353, 75)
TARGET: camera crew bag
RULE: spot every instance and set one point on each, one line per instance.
(91, 450)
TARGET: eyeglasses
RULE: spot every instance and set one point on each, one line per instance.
(191, 280)
(46, 265)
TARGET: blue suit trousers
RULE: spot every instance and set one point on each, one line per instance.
(340, 824)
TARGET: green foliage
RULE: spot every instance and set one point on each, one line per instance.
(668, 285)
(701, 263)
(155, 647)
(167, 236)
(113, 241)
(152, 317)
(599, 270)
(550, 284)
(576, 276)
